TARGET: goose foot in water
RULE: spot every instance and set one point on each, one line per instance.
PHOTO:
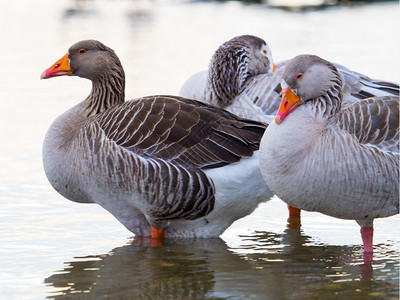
(294, 220)
(367, 235)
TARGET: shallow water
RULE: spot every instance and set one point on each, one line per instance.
(51, 247)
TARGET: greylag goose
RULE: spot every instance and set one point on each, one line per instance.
(340, 161)
(161, 165)
(236, 78)
(241, 80)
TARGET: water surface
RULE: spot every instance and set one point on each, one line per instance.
(51, 247)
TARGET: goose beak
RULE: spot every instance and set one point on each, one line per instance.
(289, 102)
(273, 68)
(60, 68)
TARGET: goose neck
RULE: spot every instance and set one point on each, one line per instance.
(107, 91)
(330, 102)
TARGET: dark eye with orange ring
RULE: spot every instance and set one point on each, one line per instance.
(298, 76)
(82, 51)
(265, 52)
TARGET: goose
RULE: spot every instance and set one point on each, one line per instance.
(236, 78)
(163, 166)
(243, 79)
(339, 161)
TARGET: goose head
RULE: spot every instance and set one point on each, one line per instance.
(234, 62)
(259, 54)
(93, 60)
(88, 59)
(310, 79)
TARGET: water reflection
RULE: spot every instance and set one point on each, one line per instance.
(178, 270)
(318, 271)
(261, 268)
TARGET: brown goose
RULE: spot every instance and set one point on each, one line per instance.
(241, 80)
(156, 163)
(318, 156)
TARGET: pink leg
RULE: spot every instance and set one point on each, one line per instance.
(367, 234)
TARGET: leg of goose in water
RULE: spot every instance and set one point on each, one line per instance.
(157, 233)
(367, 235)
(157, 237)
(294, 221)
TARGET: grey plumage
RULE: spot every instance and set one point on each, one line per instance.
(144, 160)
(340, 162)
(233, 63)
(374, 121)
(241, 81)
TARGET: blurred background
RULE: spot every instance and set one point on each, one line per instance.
(51, 247)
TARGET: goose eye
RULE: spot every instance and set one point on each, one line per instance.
(298, 76)
(265, 51)
(82, 51)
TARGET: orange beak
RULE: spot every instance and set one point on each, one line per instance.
(289, 102)
(60, 68)
(273, 68)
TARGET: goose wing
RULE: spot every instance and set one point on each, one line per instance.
(358, 86)
(373, 121)
(182, 131)
(263, 92)
(169, 140)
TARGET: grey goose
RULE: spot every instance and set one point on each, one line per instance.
(161, 165)
(340, 161)
(243, 79)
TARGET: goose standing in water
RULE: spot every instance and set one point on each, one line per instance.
(318, 156)
(162, 165)
(243, 79)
